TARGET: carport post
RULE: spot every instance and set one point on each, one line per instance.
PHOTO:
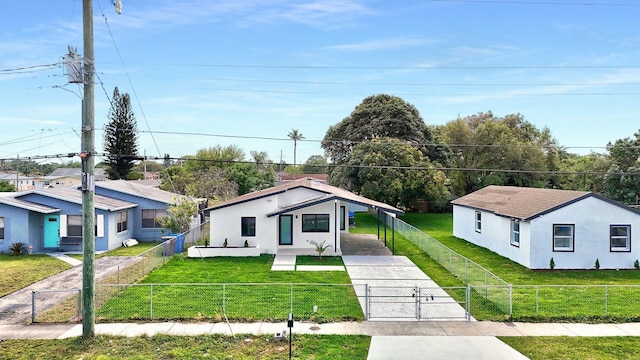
(385, 229)
(378, 222)
(33, 306)
(393, 235)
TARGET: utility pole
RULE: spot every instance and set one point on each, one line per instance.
(86, 155)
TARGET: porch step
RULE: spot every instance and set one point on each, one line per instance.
(284, 263)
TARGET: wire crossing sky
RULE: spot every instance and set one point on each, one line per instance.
(252, 71)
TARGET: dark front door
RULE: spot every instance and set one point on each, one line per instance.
(286, 230)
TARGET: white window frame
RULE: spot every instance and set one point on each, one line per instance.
(571, 238)
(613, 237)
(515, 233)
(478, 221)
(122, 221)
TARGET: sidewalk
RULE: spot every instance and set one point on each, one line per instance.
(369, 328)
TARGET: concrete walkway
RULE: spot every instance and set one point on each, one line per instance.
(65, 258)
(481, 329)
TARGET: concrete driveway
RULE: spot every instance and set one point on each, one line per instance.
(392, 288)
(15, 308)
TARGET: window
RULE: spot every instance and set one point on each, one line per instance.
(150, 218)
(122, 221)
(1, 228)
(248, 226)
(315, 223)
(478, 221)
(563, 236)
(74, 225)
(342, 218)
(620, 236)
(515, 233)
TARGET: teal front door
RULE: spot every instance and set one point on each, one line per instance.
(286, 230)
(51, 231)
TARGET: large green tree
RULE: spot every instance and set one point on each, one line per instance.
(379, 116)
(315, 164)
(120, 138)
(394, 172)
(622, 182)
(6, 186)
(489, 150)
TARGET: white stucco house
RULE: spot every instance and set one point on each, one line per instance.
(530, 226)
(289, 217)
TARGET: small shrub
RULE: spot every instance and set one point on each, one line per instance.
(597, 264)
(17, 248)
(246, 243)
(225, 243)
(636, 264)
(320, 247)
(552, 264)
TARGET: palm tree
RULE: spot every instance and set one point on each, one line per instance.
(295, 136)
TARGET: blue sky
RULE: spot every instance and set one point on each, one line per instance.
(247, 72)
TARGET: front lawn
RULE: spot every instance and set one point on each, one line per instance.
(569, 348)
(440, 227)
(190, 347)
(242, 288)
(21, 271)
(585, 295)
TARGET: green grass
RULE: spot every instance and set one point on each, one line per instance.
(122, 251)
(314, 260)
(190, 347)
(243, 288)
(21, 271)
(569, 348)
(577, 300)
(440, 227)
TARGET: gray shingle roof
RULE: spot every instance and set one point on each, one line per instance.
(519, 202)
(75, 196)
(28, 205)
(139, 189)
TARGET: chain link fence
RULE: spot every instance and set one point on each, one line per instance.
(65, 304)
(495, 293)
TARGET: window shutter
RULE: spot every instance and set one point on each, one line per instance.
(63, 225)
(100, 225)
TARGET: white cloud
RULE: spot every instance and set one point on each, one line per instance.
(383, 44)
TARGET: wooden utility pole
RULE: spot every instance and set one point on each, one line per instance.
(86, 156)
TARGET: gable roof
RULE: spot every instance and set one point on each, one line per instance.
(325, 193)
(525, 203)
(28, 205)
(139, 189)
(73, 195)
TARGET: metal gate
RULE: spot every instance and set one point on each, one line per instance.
(417, 303)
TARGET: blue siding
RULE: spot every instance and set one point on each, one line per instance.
(135, 218)
(16, 226)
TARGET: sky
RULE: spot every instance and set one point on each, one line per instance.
(202, 73)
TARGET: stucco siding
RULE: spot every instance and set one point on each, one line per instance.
(495, 233)
(16, 226)
(592, 218)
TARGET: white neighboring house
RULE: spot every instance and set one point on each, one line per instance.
(288, 217)
(530, 226)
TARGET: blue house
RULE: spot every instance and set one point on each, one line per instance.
(51, 219)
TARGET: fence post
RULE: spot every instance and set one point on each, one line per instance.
(418, 303)
(510, 301)
(291, 299)
(606, 300)
(537, 304)
(33, 306)
(465, 271)
(224, 299)
(450, 262)
(118, 275)
(486, 283)
(366, 301)
(468, 302)
(80, 303)
(151, 301)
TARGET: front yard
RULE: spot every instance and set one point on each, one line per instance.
(240, 289)
(568, 295)
(21, 271)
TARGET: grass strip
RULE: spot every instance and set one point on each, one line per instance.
(190, 347)
(569, 348)
(21, 271)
